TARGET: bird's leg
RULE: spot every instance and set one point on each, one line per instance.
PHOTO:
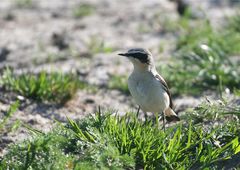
(138, 111)
(164, 121)
(145, 116)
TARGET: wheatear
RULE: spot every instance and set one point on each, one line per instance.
(148, 88)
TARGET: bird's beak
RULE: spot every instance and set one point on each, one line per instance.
(124, 54)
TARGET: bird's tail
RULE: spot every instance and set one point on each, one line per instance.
(171, 116)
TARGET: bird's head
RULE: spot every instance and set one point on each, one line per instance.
(141, 58)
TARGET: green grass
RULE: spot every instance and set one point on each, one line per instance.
(103, 141)
(83, 10)
(174, 26)
(213, 111)
(222, 40)
(234, 22)
(50, 87)
(202, 70)
(236, 92)
(4, 120)
(203, 61)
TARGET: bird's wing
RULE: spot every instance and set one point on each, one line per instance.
(165, 87)
(170, 114)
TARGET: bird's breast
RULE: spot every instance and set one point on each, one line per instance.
(148, 93)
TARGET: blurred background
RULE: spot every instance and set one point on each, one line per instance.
(195, 44)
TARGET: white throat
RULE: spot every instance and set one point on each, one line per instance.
(143, 67)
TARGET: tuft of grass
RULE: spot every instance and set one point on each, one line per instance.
(83, 10)
(119, 83)
(103, 141)
(213, 111)
(52, 87)
(12, 109)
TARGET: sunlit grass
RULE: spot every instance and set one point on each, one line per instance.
(213, 111)
(50, 87)
(9, 113)
(103, 141)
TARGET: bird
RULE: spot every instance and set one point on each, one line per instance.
(147, 87)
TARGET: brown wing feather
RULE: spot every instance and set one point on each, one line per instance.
(171, 116)
(165, 86)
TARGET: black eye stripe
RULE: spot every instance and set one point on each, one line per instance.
(141, 57)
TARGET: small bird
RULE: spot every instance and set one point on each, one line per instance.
(147, 87)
